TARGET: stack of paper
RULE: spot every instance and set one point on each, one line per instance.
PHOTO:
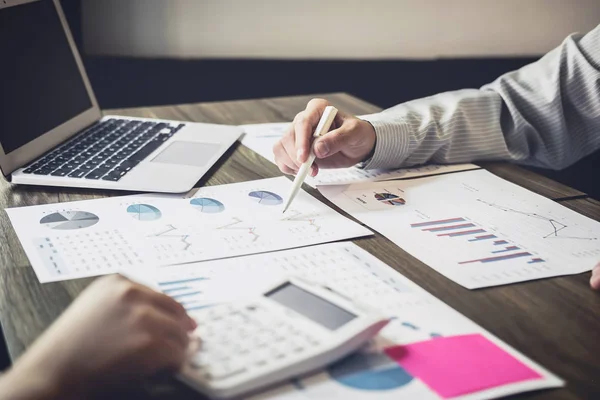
(475, 228)
(95, 237)
(428, 351)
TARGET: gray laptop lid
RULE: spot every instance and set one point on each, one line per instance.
(46, 96)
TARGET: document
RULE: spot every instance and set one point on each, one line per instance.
(474, 227)
(95, 237)
(427, 351)
(262, 137)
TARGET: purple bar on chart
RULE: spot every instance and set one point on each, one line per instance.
(483, 237)
(509, 248)
(449, 228)
(535, 260)
(463, 233)
(497, 258)
(439, 222)
(498, 242)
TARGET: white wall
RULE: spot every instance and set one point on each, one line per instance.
(371, 29)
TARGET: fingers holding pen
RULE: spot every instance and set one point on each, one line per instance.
(283, 159)
(304, 125)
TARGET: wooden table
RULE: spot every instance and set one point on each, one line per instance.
(555, 321)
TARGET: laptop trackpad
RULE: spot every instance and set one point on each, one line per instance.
(188, 153)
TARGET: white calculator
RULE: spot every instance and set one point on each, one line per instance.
(290, 328)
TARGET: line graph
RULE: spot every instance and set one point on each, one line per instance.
(556, 228)
(237, 224)
(301, 217)
(171, 231)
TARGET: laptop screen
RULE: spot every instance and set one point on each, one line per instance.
(40, 84)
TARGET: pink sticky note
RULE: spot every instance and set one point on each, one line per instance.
(459, 365)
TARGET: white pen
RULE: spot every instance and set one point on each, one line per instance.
(322, 128)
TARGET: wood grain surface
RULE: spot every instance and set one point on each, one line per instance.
(555, 321)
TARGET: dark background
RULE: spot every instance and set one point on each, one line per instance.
(130, 82)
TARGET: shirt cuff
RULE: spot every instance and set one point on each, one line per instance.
(391, 146)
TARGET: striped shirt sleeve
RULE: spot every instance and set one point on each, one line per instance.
(545, 114)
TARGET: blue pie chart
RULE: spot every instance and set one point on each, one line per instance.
(266, 198)
(144, 212)
(369, 372)
(207, 205)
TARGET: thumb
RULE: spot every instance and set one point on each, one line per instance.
(333, 142)
(595, 279)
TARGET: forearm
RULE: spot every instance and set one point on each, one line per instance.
(20, 386)
(545, 114)
(41, 373)
(452, 127)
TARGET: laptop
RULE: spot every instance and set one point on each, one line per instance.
(52, 131)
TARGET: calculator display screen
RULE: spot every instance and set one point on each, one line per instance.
(311, 306)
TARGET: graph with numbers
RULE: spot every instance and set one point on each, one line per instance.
(90, 253)
(408, 359)
(95, 237)
(474, 227)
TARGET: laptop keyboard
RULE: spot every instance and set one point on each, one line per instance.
(107, 150)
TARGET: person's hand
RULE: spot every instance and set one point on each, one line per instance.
(117, 331)
(349, 141)
(595, 279)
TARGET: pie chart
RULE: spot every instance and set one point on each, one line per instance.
(144, 212)
(207, 205)
(390, 199)
(69, 220)
(266, 198)
(369, 372)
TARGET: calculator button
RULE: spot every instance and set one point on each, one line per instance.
(224, 359)
(222, 372)
(260, 362)
(227, 308)
(261, 339)
(222, 338)
(237, 318)
(243, 332)
(259, 357)
(199, 360)
(245, 351)
(298, 348)
(277, 353)
(216, 313)
(290, 347)
(215, 317)
(237, 346)
(278, 339)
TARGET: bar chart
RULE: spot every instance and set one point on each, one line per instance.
(460, 227)
(476, 228)
(188, 292)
